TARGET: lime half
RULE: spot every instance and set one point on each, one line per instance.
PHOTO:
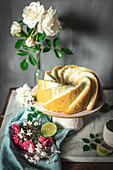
(103, 151)
(48, 129)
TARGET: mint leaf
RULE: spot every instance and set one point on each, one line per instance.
(46, 49)
(86, 140)
(93, 146)
(41, 36)
(32, 60)
(22, 52)
(92, 136)
(24, 64)
(35, 50)
(19, 43)
(32, 109)
(56, 42)
(86, 148)
(97, 141)
(34, 115)
(29, 117)
(48, 42)
(58, 53)
(67, 51)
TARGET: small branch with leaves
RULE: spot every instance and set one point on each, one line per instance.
(90, 143)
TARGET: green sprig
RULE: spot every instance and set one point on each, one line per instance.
(90, 143)
(34, 114)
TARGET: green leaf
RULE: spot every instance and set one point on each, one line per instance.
(56, 42)
(26, 47)
(67, 51)
(48, 42)
(22, 34)
(32, 109)
(92, 136)
(19, 43)
(29, 30)
(93, 146)
(35, 50)
(22, 52)
(105, 108)
(24, 64)
(97, 140)
(34, 115)
(29, 117)
(32, 60)
(41, 36)
(21, 22)
(86, 148)
(46, 49)
(86, 140)
(58, 53)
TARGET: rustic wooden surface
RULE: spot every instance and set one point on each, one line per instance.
(69, 165)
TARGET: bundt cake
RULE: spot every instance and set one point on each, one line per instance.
(69, 89)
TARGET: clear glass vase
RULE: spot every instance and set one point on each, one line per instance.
(39, 73)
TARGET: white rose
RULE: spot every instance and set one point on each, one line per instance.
(33, 14)
(30, 41)
(15, 28)
(50, 23)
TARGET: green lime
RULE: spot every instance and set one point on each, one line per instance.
(48, 129)
(103, 151)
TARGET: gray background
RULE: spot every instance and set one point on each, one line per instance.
(87, 29)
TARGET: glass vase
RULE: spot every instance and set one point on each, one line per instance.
(39, 73)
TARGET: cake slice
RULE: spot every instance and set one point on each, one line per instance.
(45, 95)
(62, 102)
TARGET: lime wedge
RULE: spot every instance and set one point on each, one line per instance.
(103, 151)
(48, 129)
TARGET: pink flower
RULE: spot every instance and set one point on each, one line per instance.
(27, 144)
(16, 139)
(20, 142)
(46, 141)
(41, 139)
(16, 128)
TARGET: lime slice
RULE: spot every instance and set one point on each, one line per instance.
(48, 129)
(103, 151)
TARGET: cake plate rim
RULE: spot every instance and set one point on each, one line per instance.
(75, 115)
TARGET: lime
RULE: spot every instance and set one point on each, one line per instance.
(103, 151)
(48, 129)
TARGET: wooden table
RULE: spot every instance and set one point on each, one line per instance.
(68, 165)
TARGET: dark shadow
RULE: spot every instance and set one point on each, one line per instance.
(79, 23)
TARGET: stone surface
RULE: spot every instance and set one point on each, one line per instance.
(71, 147)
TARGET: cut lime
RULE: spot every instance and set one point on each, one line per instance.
(103, 151)
(48, 129)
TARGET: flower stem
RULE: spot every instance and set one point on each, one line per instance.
(38, 60)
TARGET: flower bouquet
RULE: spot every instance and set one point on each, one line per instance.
(37, 23)
(27, 137)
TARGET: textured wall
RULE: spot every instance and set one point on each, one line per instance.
(87, 31)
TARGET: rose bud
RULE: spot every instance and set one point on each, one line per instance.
(30, 41)
(15, 28)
